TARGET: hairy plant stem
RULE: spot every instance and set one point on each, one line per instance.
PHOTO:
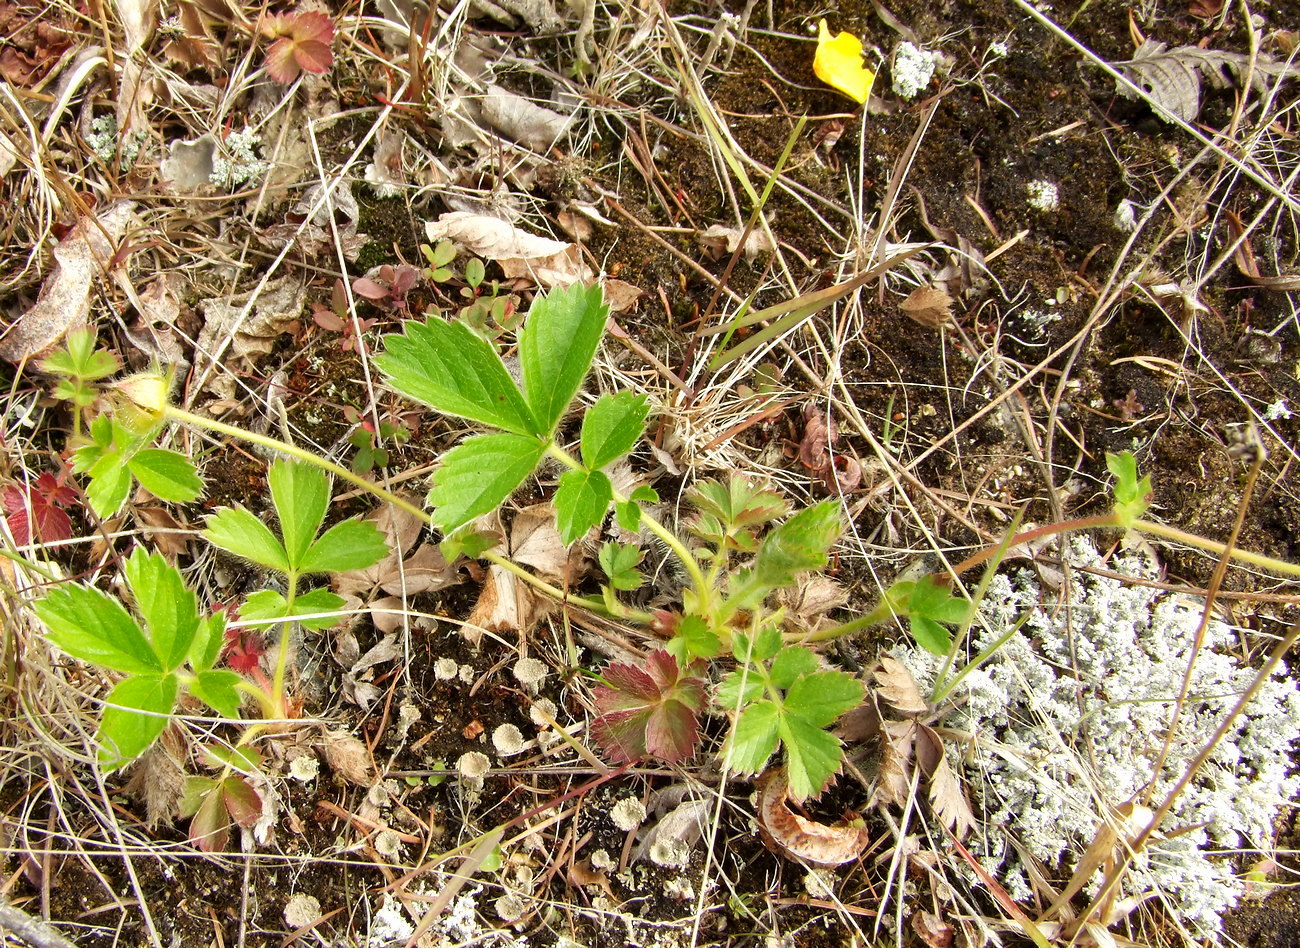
(185, 417)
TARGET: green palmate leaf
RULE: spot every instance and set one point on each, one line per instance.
(799, 544)
(479, 474)
(930, 635)
(753, 738)
(792, 662)
(167, 475)
(620, 561)
(822, 697)
(352, 544)
(95, 628)
(109, 484)
(812, 756)
(136, 712)
(468, 543)
(208, 639)
(170, 610)
(237, 531)
(556, 346)
(323, 605)
(696, 639)
(1131, 494)
(581, 502)
(79, 358)
(447, 367)
(737, 503)
(301, 494)
(218, 690)
(628, 512)
(739, 689)
(611, 428)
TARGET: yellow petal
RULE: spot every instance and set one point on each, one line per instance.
(838, 62)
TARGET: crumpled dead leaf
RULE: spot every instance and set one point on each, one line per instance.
(535, 542)
(896, 687)
(908, 746)
(158, 307)
(719, 241)
(928, 305)
(526, 122)
(64, 301)
(307, 224)
(840, 473)
(684, 823)
(807, 604)
(348, 757)
(506, 604)
(521, 255)
(799, 838)
(357, 686)
(932, 929)
(167, 534)
(251, 326)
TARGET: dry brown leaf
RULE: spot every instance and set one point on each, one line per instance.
(158, 307)
(506, 604)
(621, 295)
(932, 930)
(64, 301)
(808, 602)
(252, 325)
(897, 747)
(929, 306)
(524, 121)
(521, 255)
(797, 837)
(581, 874)
(347, 756)
(896, 686)
(311, 223)
(425, 570)
(719, 241)
(535, 542)
(1172, 78)
(947, 796)
(168, 535)
(387, 173)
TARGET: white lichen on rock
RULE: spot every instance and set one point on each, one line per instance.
(1044, 196)
(1071, 714)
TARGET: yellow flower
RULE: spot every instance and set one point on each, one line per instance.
(838, 62)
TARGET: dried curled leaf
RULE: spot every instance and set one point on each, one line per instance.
(797, 837)
(896, 687)
(928, 305)
(1172, 77)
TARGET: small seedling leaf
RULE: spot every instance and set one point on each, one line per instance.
(611, 428)
(169, 609)
(1131, 494)
(91, 626)
(135, 714)
(352, 544)
(237, 531)
(168, 475)
(581, 503)
(470, 544)
(556, 345)
(301, 494)
(620, 561)
(695, 640)
(446, 366)
(479, 474)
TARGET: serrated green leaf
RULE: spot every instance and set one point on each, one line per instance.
(447, 367)
(611, 427)
(732, 695)
(628, 515)
(556, 345)
(620, 561)
(91, 626)
(791, 662)
(822, 697)
(753, 738)
(237, 531)
(168, 475)
(352, 544)
(170, 610)
(322, 604)
(737, 502)
(581, 502)
(109, 484)
(265, 605)
(301, 495)
(135, 714)
(208, 639)
(218, 690)
(932, 597)
(699, 640)
(478, 475)
(470, 544)
(930, 635)
(799, 544)
(812, 756)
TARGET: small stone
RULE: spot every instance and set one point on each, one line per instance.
(1043, 196)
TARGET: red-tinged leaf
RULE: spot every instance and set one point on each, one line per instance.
(327, 320)
(648, 712)
(39, 507)
(314, 56)
(210, 828)
(362, 286)
(243, 650)
(241, 801)
(281, 65)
